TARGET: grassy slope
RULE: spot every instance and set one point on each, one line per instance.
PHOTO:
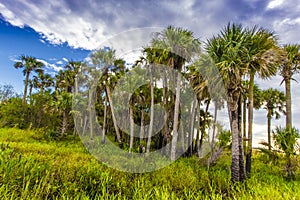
(33, 167)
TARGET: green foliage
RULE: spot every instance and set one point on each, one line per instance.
(32, 167)
(13, 113)
(224, 138)
(285, 139)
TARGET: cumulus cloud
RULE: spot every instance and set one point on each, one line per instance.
(87, 24)
(90, 24)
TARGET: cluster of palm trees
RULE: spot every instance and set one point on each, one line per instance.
(223, 71)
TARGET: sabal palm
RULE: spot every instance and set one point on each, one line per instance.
(177, 47)
(263, 58)
(28, 64)
(104, 59)
(42, 81)
(274, 101)
(287, 70)
(227, 51)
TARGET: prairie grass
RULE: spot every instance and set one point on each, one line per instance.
(32, 166)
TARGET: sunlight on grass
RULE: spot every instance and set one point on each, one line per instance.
(33, 167)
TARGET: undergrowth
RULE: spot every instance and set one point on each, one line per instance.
(33, 166)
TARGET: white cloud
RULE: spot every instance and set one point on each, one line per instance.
(274, 4)
(50, 66)
(90, 24)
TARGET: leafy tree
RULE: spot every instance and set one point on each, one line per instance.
(6, 92)
(13, 113)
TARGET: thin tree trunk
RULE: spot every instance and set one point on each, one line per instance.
(269, 129)
(197, 143)
(90, 108)
(203, 129)
(76, 93)
(113, 116)
(142, 130)
(131, 128)
(182, 137)
(288, 103)
(26, 86)
(250, 121)
(166, 114)
(244, 123)
(191, 135)
(151, 111)
(84, 124)
(176, 118)
(214, 129)
(104, 120)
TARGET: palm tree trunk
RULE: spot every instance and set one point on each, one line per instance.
(244, 123)
(76, 93)
(250, 121)
(269, 129)
(214, 129)
(131, 128)
(288, 103)
(176, 118)
(166, 114)
(191, 135)
(104, 121)
(151, 112)
(203, 129)
(26, 86)
(113, 116)
(237, 162)
(142, 130)
(90, 108)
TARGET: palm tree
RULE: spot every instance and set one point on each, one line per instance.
(285, 139)
(226, 50)
(105, 59)
(28, 64)
(274, 103)
(178, 47)
(42, 81)
(263, 58)
(287, 70)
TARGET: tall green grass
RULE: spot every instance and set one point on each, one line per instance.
(32, 166)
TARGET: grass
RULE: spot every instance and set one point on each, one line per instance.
(32, 166)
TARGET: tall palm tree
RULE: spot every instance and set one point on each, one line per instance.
(28, 64)
(106, 59)
(274, 103)
(178, 47)
(263, 58)
(287, 70)
(226, 50)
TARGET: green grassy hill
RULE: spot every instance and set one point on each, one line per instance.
(33, 166)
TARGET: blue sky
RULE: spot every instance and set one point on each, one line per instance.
(60, 30)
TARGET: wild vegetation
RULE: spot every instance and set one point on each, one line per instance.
(41, 127)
